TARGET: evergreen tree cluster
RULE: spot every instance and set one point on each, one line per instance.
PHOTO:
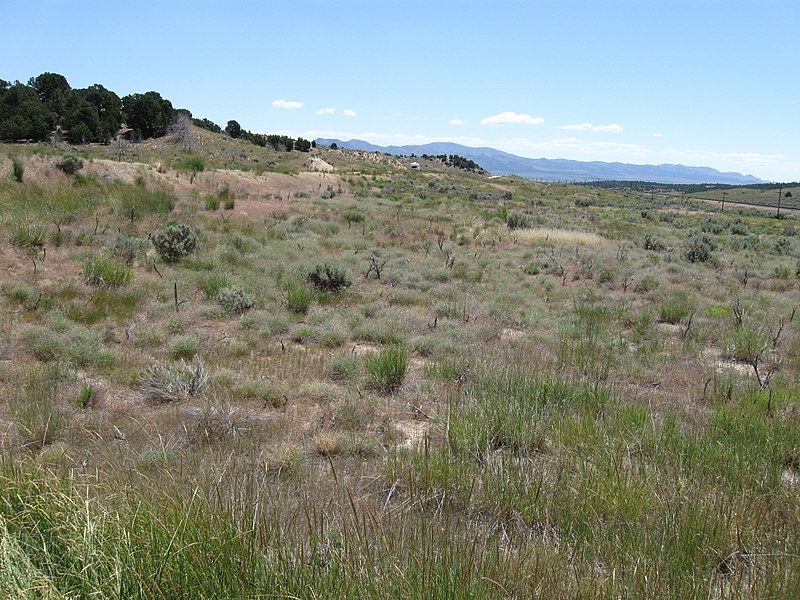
(47, 104)
(454, 160)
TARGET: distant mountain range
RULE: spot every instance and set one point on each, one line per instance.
(503, 163)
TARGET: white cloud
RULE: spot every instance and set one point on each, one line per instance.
(512, 117)
(286, 104)
(456, 122)
(326, 111)
(349, 113)
(610, 128)
(658, 135)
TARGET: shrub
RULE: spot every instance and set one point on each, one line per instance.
(329, 278)
(69, 164)
(353, 216)
(225, 195)
(783, 246)
(235, 299)
(185, 347)
(298, 299)
(698, 248)
(17, 169)
(164, 383)
(173, 242)
(194, 165)
(343, 367)
(646, 284)
(213, 283)
(388, 368)
(103, 271)
(127, 249)
(28, 235)
(212, 203)
(651, 242)
(675, 307)
(260, 390)
(518, 220)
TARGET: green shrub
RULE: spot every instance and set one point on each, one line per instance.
(260, 390)
(17, 169)
(646, 284)
(745, 344)
(174, 242)
(518, 220)
(164, 383)
(344, 367)
(353, 216)
(783, 246)
(69, 164)
(329, 278)
(103, 271)
(698, 248)
(298, 299)
(387, 369)
(234, 299)
(675, 307)
(213, 283)
(652, 243)
(185, 347)
(193, 165)
(226, 197)
(27, 235)
(212, 203)
(127, 249)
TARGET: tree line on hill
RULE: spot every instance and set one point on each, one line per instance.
(454, 160)
(48, 106)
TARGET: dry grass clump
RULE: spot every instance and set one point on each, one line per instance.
(164, 383)
(544, 235)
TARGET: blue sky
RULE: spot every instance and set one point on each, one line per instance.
(699, 82)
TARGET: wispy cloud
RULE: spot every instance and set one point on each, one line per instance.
(325, 111)
(349, 113)
(658, 135)
(610, 128)
(287, 104)
(456, 122)
(512, 117)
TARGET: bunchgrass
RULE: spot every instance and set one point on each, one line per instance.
(387, 369)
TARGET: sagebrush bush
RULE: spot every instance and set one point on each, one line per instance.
(652, 243)
(518, 220)
(235, 300)
(103, 271)
(69, 164)
(174, 242)
(698, 248)
(329, 278)
(127, 249)
(163, 383)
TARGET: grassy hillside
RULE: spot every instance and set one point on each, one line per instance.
(224, 374)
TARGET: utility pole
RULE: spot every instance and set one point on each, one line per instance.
(780, 192)
(723, 201)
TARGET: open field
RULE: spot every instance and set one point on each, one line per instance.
(377, 382)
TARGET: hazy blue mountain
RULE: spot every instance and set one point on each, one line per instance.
(560, 169)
